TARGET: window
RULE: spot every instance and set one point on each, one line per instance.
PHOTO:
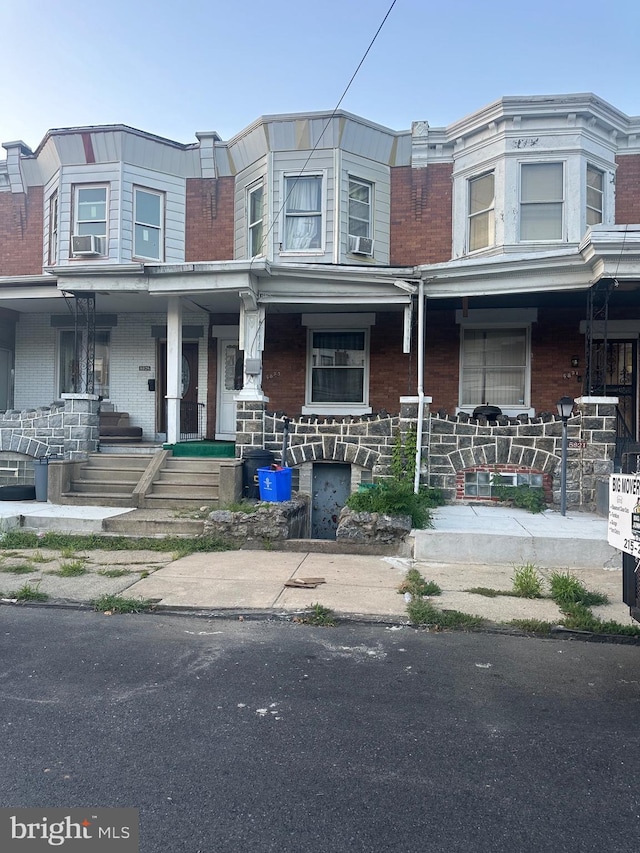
(91, 211)
(478, 484)
(73, 362)
(338, 362)
(494, 367)
(481, 212)
(360, 194)
(148, 241)
(595, 192)
(541, 201)
(303, 213)
(255, 212)
(53, 229)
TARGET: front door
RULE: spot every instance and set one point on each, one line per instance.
(331, 486)
(230, 368)
(189, 426)
(615, 373)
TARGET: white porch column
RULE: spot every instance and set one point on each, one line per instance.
(252, 319)
(174, 368)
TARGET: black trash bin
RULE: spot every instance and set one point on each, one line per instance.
(254, 459)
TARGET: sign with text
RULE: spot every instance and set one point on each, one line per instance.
(624, 513)
(84, 830)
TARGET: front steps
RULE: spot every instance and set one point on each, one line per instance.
(160, 481)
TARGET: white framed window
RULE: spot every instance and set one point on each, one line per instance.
(360, 208)
(148, 213)
(494, 367)
(90, 211)
(255, 218)
(541, 201)
(338, 367)
(72, 361)
(595, 195)
(481, 212)
(303, 213)
(53, 229)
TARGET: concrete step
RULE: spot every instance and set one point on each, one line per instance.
(96, 499)
(107, 487)
(117, 463)
(124, 475)
(178, 502)
(181, 478)
(191, 466)
(141, 522)
(187, 490)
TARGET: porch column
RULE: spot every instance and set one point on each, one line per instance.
(174, 368)
(252, 320)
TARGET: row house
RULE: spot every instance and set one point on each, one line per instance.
(321, 271)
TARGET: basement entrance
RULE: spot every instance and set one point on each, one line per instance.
(331, 486)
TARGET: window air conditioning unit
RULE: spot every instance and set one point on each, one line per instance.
(86, 244)
(361, 245)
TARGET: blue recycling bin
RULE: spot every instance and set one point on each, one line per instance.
(275, 485)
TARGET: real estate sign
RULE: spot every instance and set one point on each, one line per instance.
(624, 513)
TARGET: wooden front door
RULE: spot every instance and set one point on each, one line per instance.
(189, 405)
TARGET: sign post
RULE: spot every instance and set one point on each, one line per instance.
(624, 533)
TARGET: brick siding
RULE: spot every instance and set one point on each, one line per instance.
(209, 229)
(627, 183)
(421, 214)
(21, 232)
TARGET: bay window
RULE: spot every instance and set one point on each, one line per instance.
(595, 194)
(148, 220)
(481, 212)
(255, 199)
(303, 213)
(541, 201)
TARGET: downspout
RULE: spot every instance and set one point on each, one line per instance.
(419, 429)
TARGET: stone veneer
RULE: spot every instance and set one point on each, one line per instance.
(67, 428)
(451, 445)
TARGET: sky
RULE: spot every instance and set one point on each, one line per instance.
(174, 68)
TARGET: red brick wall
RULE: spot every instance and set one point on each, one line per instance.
(285, 361)
(209, 219)
(628, 189)
(21, 232)
(421, 214)
(555, 339)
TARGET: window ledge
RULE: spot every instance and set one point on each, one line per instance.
(337, 409)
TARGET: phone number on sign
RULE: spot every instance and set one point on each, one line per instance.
(632, 546)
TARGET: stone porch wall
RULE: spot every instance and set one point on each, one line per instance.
(451, 445)
(67, 428)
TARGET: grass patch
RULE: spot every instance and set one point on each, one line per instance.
(91, 542)
(319, 615)
(415, 584)
(114, 573)
(488, 591)
(578, 617)
(242, 506)
(39, 558)
(422, 612)
(19, 569)
(118, 604)
(71, 570)
(532, 626)
(30, 593)
(525, 497)
(527, 583)
(567, 589)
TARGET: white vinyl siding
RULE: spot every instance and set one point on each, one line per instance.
(173, 192)
(541, 201)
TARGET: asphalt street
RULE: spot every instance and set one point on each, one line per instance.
(267, 736)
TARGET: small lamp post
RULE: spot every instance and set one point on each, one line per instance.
(565, 408)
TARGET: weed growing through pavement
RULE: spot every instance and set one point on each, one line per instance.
(318, 615)
(19, 569)
(30, 593)
(422, 612)
(39, 558)
(114, 573)
(527, 583)
(70, 570)
(118, 604)
(568, 589)
(532, 626)
(416, 585)
(176, 545)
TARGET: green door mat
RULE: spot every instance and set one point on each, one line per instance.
(219, 449)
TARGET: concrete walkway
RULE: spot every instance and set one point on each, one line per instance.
(469, 547)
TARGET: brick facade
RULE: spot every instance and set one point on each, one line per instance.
(21, 232)
(627, 183)
(209, 227)
(421, 214)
